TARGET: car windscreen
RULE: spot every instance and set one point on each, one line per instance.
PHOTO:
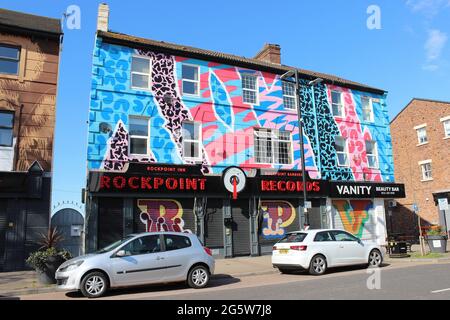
(114, 245)
(293, 237)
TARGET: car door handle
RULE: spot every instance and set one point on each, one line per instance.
(341, 246)
(160, 258)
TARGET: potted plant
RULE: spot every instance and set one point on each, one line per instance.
(48, 258)
(437, 240)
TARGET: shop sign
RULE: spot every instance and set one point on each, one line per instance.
(366, 190)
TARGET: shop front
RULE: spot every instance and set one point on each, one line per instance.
(233, 215)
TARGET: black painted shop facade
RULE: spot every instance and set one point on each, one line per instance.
(180, 198)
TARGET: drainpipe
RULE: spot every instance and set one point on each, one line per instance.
(18, 138)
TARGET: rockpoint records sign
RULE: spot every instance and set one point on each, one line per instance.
(366, 190)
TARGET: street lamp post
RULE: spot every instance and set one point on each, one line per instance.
(284, 77)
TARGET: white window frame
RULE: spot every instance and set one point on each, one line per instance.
(422, 165)
(289, 96)
(374, 154)
(342, 104)
(141, 73)
(198, 142)
(12, 59)
(418, 129)
(274, 135)
(256, 91)
(446, 122)
(190, 80)
(139, 137)
(371, 109)
(347, 164)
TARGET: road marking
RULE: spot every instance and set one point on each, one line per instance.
(439, 291)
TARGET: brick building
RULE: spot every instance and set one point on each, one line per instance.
(29, 60)
(421, 147)
(188, 139)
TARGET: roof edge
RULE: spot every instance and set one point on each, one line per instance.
(177, 49)
(417, 99)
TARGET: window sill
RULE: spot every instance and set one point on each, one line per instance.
(426, 180)
(9, 76)
(422, 144)
(446, 138)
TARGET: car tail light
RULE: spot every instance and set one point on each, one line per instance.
(274, 248)
(299, 248)
(208, 251)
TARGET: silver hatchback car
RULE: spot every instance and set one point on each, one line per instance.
(145, 258)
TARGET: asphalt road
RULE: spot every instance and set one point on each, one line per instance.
(399, 282)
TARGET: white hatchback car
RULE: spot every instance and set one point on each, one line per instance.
(317, 250)
(145, 258)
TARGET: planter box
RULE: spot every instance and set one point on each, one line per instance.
(437, 244)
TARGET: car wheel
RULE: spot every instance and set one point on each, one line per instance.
(94, 285)
(198, 277)
(318, 265)
(286, 271)
(375, 259)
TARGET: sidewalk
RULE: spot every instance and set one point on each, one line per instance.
(25, 282)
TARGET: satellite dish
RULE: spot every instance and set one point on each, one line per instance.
(105, 127)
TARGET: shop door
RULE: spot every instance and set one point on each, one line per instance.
(241, 227)
(3, 225)
(214, 224)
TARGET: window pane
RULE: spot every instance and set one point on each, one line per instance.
(8, 52)
(370, 147)
(189, 72)
(336, 97)
(447, 128)
(343, 236)
(288, 88)
(139, 81)
(340, 144)
(143, 245)
(372, 161)
(140, 65)
(139, 127)
(249, 82)
(190, 87)
(9, 66)
(249, 96)
(138, 146)
(191, 131)
(337, 110)
(174, 242)
(191, 149)
(342, 159)
(6, 137)
(289, 102)
(6, 119)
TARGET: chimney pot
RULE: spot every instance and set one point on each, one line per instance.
(270, 53)
(103, 17)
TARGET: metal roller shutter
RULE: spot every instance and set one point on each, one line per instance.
(277, 218)
(3, 225)
(214, 224)
(241, 227)
(153, 215)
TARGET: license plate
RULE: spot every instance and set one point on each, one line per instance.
(284, 251)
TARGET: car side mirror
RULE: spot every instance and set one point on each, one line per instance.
(120, 253)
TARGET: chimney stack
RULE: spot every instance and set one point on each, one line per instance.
(103, 17)
(270, 53)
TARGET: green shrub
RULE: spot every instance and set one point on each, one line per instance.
(38, 259)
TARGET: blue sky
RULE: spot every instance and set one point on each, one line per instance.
(409, 56)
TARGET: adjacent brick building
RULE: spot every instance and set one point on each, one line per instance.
(421, 148)
(29, 59)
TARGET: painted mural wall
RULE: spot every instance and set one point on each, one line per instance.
(227, 123)
(362, 218)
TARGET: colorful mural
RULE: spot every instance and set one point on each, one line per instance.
(353, 215)
(227, 123)
(278, 215)
(161, 215)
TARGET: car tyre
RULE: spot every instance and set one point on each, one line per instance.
(375, 259)
(94, 284)
(318, 265)
(198, 277)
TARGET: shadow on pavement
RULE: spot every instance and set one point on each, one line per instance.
(337, 270)
(217, 281)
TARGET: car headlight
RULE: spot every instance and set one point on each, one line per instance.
(71, 266)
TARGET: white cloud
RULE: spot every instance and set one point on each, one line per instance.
(433, 47)
(429, 8)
